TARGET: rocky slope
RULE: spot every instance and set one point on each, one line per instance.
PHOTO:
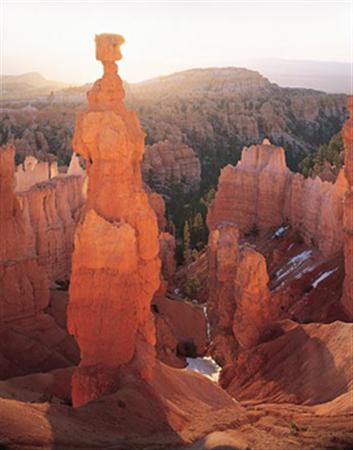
(131, 418)
(304, 364)
(166, 164)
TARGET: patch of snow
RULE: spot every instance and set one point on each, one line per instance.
(291, 246)
(294, 263)
(177, 291)
(323, 276)
(303, 272)
(280, 232)
(204, 309)
(205, 366)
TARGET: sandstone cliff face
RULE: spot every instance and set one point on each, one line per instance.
(347, 134)
(166, 163)
(50, 211)
(261, 192)
(24, 284)
(115, 268)
(31, 341)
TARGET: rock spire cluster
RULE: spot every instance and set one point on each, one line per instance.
(260, 192)
(116, 264)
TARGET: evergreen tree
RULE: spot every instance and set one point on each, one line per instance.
(197, 231)
(187, 242)
(198, 222)
(171, 227)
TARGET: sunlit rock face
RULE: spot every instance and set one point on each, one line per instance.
(347, 134)
(239, 299)
(49, 205)
(116, 265)
(24, 284)
(51, 211)
(261, 192)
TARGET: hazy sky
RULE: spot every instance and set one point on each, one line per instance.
(56, 38)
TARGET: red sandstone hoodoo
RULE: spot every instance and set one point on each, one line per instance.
(116, 265)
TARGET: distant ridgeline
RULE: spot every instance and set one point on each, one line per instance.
(218, 111)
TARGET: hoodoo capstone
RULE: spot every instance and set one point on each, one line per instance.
(116, 265)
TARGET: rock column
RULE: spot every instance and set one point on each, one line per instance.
(115, 267)
(239, 304)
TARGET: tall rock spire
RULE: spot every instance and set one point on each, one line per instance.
(115, 267)
(347, 134)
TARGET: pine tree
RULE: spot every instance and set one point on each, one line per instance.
(197, 231)
(186, 240)
(171, 227)
(198, 222)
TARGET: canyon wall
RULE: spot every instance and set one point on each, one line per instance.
(50, 212)
(38, 226)
(33, 235)
(24, 284)
(347, 134)
(115, 265)
(261, 192)
(48, 206)
(167, 163)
